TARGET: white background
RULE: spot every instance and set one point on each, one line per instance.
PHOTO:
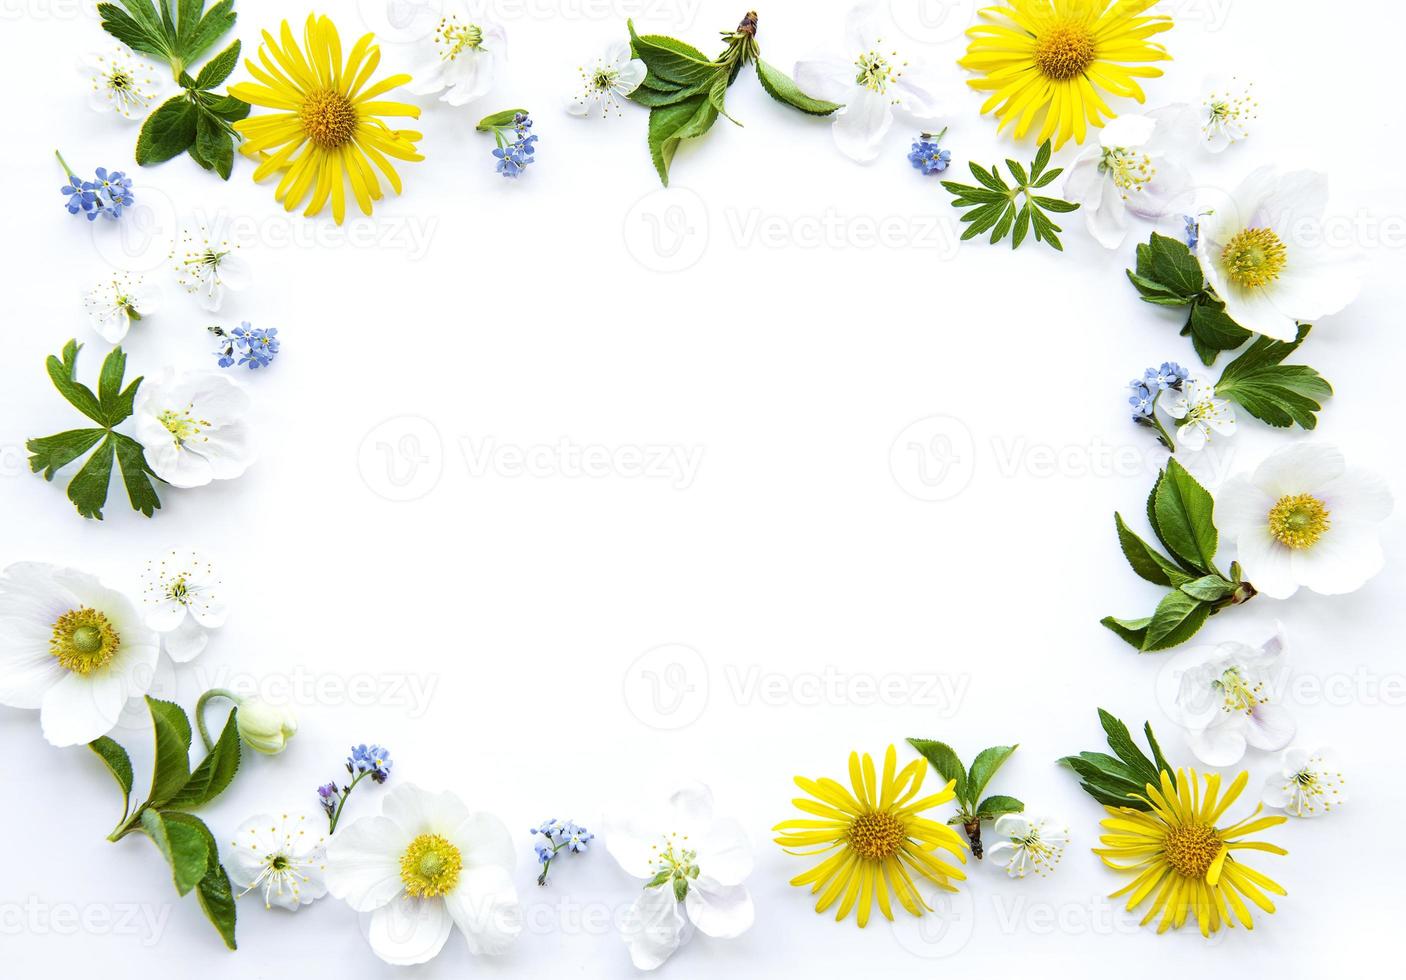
(495, 630)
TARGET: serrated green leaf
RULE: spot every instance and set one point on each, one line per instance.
(215, 24)
(994, 806)
(49, 454)
(984, 767)
(1212, 331)
(213, 148)
(218, 68)
(64, 374)
(1276, 393)
(115, 757)
(945, 761)
(217, 901)
(136, 474)
(171, 761)
(88, 488)
(215, 772)
(1208, 588)
(182, 845)
(1185, 517)
(1132, 631)
(1149, 563)
(781, 87)
(1175, 620)
(168, 132)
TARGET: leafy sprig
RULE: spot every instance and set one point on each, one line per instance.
(1277, 393)
(686, 91)
(198, 121)
(1168, 274)
(111, 405)
(1182, 515)
(182, 838)
(1120, 779)
(1002, 209)
(972, 807)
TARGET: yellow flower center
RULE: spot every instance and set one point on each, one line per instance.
(181, 424)
(430, 866)
(1254, 257)
(1130, 170)
(1298, 520)
(1239, 695)
(877, 836)
(329, 119)
(1064, 51)
(1191, 848)
(454, 38)
(84, 641)
(874, 72)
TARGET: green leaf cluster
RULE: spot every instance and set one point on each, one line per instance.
(1120, 779)
(686, 91)
(1017, 210)
(108, 407)
(1168, 274)
(1277, 393)
(1182, 515)
(182, 838)
(198, 120)
(970, 784)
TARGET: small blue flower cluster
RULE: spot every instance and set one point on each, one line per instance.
(246, 345)
(558, 835)
(927, 157)
(514, 157)
(1153, 382)
(371, 759)
(106, 195)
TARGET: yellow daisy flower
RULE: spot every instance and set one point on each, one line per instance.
(874, 837)
(324, 132)
(1056, 56)
(1183, 860)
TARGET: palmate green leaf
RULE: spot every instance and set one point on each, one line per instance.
(1277, 393)
(781, 87)
(215, 24)
(88, 488)
(136, 474)
(64, 374)
(1004, 209)
(50, 454)
(945, 761)
(137, 24)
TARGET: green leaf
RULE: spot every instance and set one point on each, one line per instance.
(110, 401)
(115, 757)
(217, 901)
(984, 766)
(1042, 159)
(671, 60)
(1175, 620)
(1149, 563)
(183, 846)
(499, 120)
(1119, 781)
(214, 146)
(1273, 392)
(1120, 740)
(781, 87)
(168, 132)
(218, 68)
(227, 107)
(1133, 631)
(171, 763)
(215, 771)
(136, 474)
(945, 761)
(993, 806)
(52, 453)
(672, 124)
(1174, 265)
(1212, 331)
(1208, 588)
(138, 27)
(64, 375)
(88, 488)
(1185, 517)
(216, 22)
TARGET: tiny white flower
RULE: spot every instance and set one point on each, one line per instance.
(191, 425)
(424, 866)
(1309, 784)
(1304, 517)
(183, 599)
(1224, 696)
(607, 82)
(1199, 413)
(872, 82)
(1226, 110)
(1130, 171)
(1028, 844)
(115, 304)
(465, 52)
(121, 84)
(72, 649)
(282, 857)
(207, 268)
(693, 865)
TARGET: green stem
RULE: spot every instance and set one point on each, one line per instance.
(341, 804)
(63, 163)
(547, 864)
(214, 692)
(1162, 433)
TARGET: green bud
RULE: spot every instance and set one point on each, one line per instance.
(265, 727)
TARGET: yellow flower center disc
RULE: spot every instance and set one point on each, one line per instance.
(1191, 848)
(84, 641)
(329, 118)
(1064, 52)
(877, 836)
(430, 866)
(1298, 520)
(1254, 257)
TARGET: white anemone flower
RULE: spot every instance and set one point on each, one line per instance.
(72, 649)
(1028, 844)
(1226, 110)
(1265, 254)
(467, 50)
(121, 84)
(607, 82)
(1308, 784)
(1130, 172)
(208, 267)
(184, 599)
(191, 424)
(115, 304)
(693, 865)
(280, 857)
(1304, 517)
(872, 82)
(1225, 697)
(1199, 414)
(424, 866)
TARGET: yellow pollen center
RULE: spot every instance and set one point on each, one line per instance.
(329, 119)
(1064, 52)
(182, 425)
(1254, 257)
(1298, 520)
(430, 866)
(1191, 848)
(453, 38)
(84, 641)
(877, 836)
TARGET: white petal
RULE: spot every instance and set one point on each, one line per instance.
(916, 99)
(164, 616)
(653, 928)
(186, 642)
(234, 272)
(486, 910)
(829, 79)
(1271, 727)
(1242, 507)
(113, 325)
(363, 862)
(417, 811)
(861, 125)
(79, 709)
(27, 666)
(1357, 495)
(1304, 467)
(1191, 436)
(724, 852)
(1107, 218)
(631, 75)
(409, 930)
(1256, 309)
(1268, 564)
(1342, 560)
(631, 844)
(1012, 825)
(485, 842)
(720, 911)
(1222, 745)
